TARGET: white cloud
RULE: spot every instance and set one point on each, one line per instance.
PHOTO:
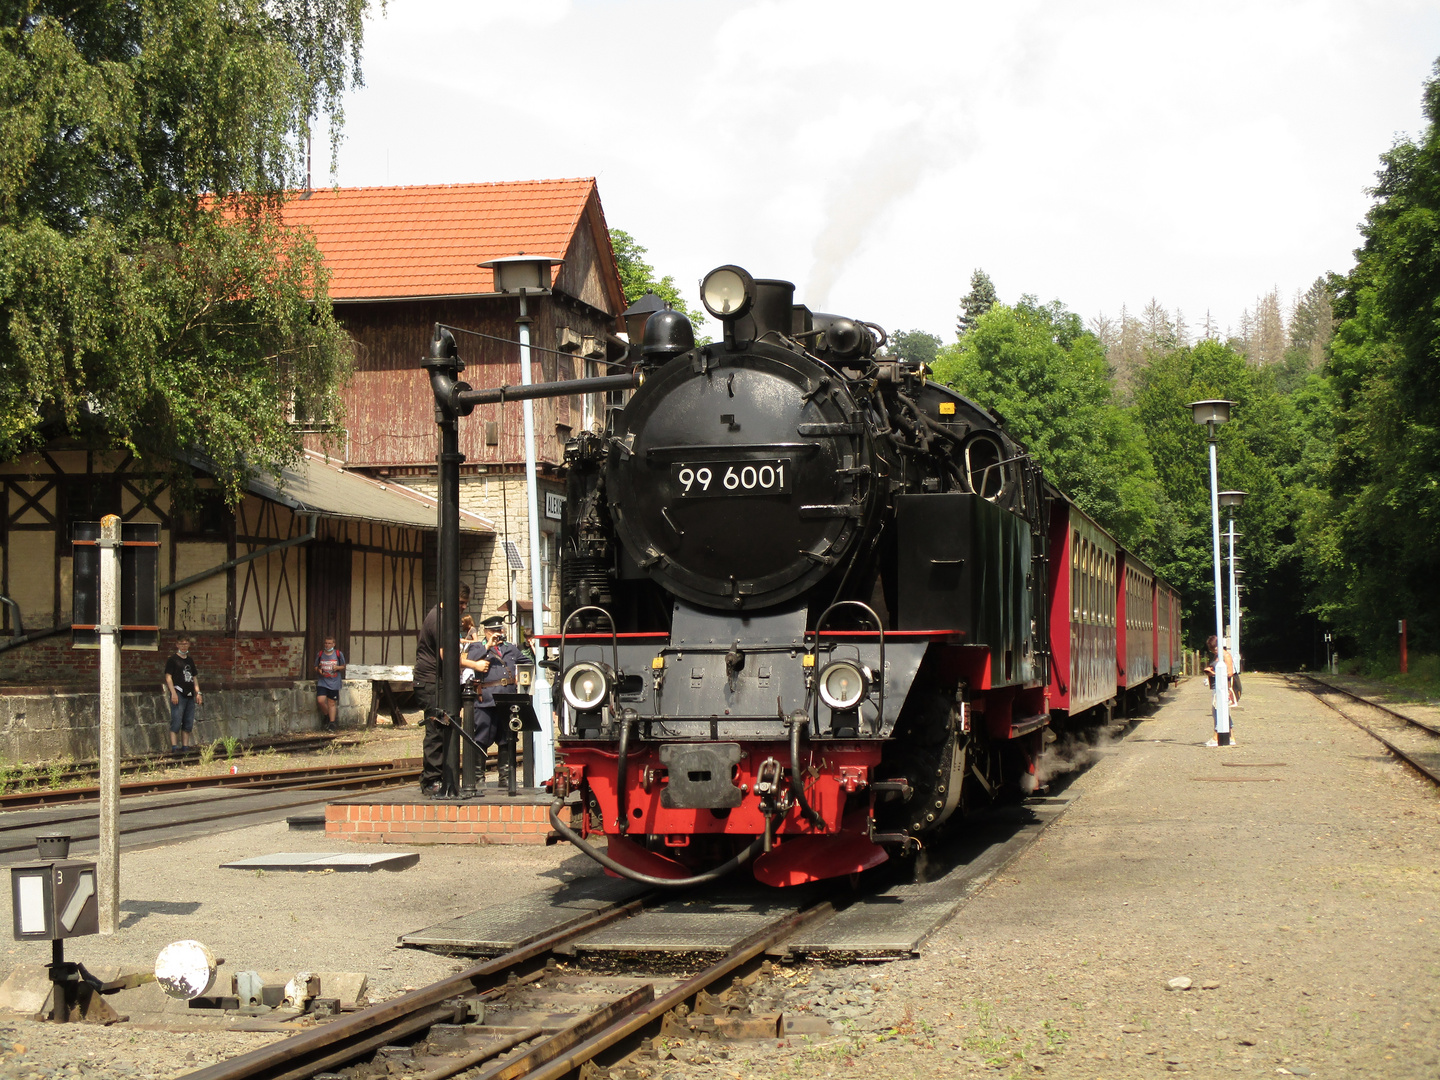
(875, 153)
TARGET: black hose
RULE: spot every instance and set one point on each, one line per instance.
(796, 787)
(604, 860)
(622, 823)
(927, 422)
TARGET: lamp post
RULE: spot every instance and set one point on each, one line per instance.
(445, 366)
(1212, 413)
(637, 314)
(530, 274)
(1232, 500)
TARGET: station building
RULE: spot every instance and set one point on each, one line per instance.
(344, 543)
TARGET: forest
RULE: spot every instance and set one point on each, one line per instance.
(1335, 435)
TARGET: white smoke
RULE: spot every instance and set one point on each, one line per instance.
(861, 198)
(1073, 751)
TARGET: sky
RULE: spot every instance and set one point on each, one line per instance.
(876, 153)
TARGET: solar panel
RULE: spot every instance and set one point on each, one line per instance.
(512, 555)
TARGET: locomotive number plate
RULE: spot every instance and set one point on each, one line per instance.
(771, 476)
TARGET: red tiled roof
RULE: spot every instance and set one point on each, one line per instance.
(425, 241)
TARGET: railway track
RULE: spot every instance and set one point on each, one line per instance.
(584, 988)
(309, 784)
(428, 1027)
(144, 763)
(263, 779)
(1412, 741)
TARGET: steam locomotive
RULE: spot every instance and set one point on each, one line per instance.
(817, 608)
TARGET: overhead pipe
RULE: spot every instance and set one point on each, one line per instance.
(19, 630)
(305, 538)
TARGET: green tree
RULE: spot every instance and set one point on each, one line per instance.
(1261, 452)
(1384, 473)
(980, 299)
(638, 277)
(915, 346)
(150, 295)
(1045, 374)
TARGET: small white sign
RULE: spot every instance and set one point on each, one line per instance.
(554, 505)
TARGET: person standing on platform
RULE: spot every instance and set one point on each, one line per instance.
(496, 670)
(428, 652)
(182, 694)
(329, 674)
(1213, 644)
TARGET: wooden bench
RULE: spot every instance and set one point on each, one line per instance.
(380, 676)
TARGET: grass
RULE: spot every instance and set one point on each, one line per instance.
(231, 745)
(207, 754)
(1421, 681)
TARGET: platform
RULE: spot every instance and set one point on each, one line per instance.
(502, 927)
(408, 817)
(319, 861)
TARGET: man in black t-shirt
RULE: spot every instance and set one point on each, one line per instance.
(182, 694)
(427, 675)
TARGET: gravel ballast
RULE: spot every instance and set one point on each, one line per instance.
(1261, 910)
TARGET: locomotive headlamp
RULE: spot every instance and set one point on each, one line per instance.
(844, 684)
(727, 292)
(586, 686)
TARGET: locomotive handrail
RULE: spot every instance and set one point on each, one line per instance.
(614, 645)
(879, 626)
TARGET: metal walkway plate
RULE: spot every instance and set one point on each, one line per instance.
(897, 921)
(698, 925)
(312, 861)
(495, 930)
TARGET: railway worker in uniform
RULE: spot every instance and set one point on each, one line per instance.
(1212, 643)
(428, 651)
(495, 670)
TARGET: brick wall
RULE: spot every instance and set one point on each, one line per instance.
(249, 660)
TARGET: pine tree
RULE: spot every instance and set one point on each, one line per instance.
(980, 299)
(1268, 331)
(1159, 331)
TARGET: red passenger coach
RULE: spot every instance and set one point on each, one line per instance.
(1135, 652)
(1083, 611)
(1169, 656)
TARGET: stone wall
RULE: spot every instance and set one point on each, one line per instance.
(483, 567)
(66, 725)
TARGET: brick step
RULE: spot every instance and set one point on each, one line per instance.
(497, 819)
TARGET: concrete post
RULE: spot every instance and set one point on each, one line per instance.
(108, 864)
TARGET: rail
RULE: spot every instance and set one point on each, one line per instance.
(1409, 759)
(268, 779)
(544, 1054)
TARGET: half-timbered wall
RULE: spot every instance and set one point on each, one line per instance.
(251, 623)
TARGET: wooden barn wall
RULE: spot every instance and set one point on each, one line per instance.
(390, 410)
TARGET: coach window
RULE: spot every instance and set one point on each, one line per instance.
(987, 477)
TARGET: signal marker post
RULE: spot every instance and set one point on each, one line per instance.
(116, 603)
